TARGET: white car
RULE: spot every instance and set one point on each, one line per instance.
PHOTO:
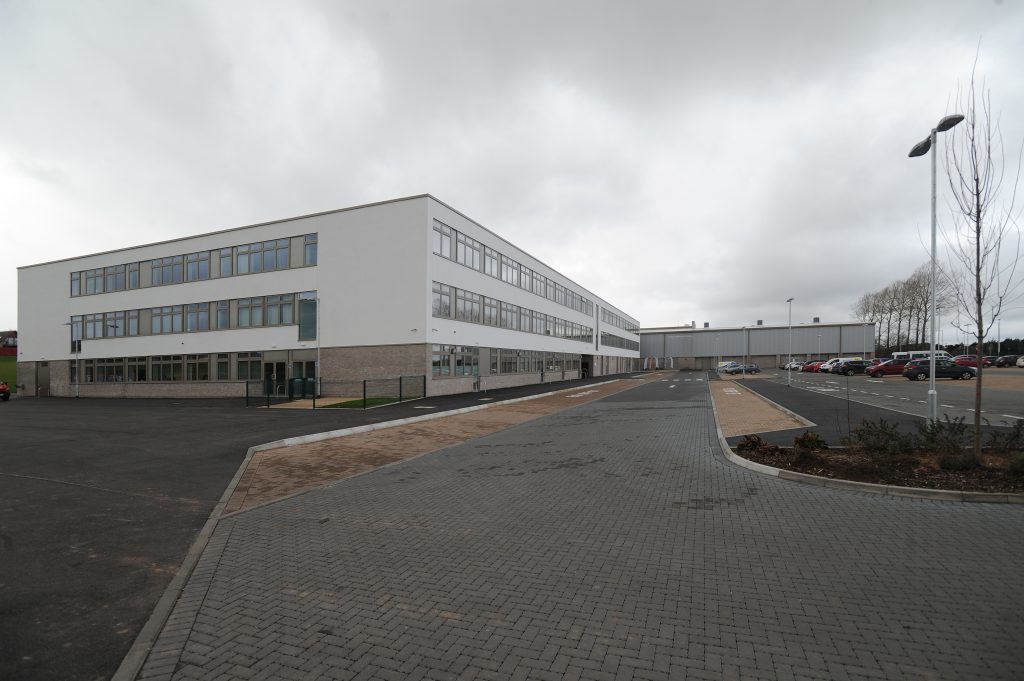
(1020, 361)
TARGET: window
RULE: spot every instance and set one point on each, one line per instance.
(442, 305)
(279, 310)
(225, 262)
(76, 284)
(197, 317)
(167, 319)
(490, 312)
(467, 251)
(307, 315)
(223, 366)
(250, 312)
(166, 368)
(223, 310)
(133, 322)
(282, 249)
(93, 325)
(440, 360)
(136, 369)
(309, 243)
(133, 275)
(249, 366)
(114, 278)
(468, 306)
(197, 368)
(490, 262)
(93, 281)
(113, 324)
(442, 245)
(110, 370)
(197, 266)
(168, 270)
(467, 361)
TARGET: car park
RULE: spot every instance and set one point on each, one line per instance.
(743, 369)
(918, 370)
(890, 367)
(1006, 360)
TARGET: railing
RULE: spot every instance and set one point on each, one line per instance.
(336, 394)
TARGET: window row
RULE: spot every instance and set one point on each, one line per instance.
(464, 360)
(223, 366)
(466, 306)
(612, 341)
(454, 245)
(610, 317)
(278, 310)
(263, 256)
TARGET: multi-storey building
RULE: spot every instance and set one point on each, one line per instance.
(405, 287)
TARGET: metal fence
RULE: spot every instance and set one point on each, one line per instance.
(336, 394)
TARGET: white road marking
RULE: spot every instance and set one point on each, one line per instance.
(582, 394)
(672, 386)
(731, 391)
(424, 407)
(947, 406)
(485, 399)
(1011, 416)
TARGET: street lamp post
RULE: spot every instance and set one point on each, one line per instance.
(920, 149)
(864, 338)
(789, 364)
(819, 346)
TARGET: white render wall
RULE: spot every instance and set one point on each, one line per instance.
(373, 280)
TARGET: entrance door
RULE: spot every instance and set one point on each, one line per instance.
(274, 375)
(586, 362)
(42, 379)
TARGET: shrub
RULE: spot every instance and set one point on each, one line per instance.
(1016, 466)
(881, 440)
(749, 443)
(809, 440)
(958, 461)
(945, 438)
(1007, 442)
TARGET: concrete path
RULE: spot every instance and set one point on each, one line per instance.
(608, 541)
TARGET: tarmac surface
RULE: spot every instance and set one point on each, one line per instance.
(606, 541)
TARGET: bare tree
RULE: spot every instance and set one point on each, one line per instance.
(983, 238)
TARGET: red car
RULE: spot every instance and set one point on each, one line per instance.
(811, 366)
(891, 367)
(971, 361)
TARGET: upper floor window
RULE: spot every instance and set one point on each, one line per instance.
(168, 270)
(197, 266)
(309, 249)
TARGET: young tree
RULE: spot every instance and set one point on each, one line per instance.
(983, 237)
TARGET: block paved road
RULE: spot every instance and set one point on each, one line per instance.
(609, 541)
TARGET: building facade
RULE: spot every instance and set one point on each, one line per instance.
(409, 287)
(689, 347)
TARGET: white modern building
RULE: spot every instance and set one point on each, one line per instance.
(409, 287)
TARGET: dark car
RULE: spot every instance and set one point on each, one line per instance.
(971, 360)
(743, 369)
(890, 367)
(852, 366)
(1006, 360)
(917, 370)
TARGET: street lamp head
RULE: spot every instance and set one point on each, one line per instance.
(790, 300)
(948, 122)
(922, 147)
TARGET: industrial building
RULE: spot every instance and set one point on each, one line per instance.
(408, 287)
(690, 347)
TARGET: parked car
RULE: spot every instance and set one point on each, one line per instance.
(917, 370)
(1020, 361)
(795, 365)
(971, 361)
(811, 366)
(849, 367)
(890, 367)
(991, 359)
(1006, 360)
(829, 366)
(743, 369)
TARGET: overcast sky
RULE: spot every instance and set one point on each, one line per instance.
(687, 161)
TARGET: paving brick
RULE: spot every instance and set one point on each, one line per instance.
(609, 541)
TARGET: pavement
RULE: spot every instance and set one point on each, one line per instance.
(585, 536)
